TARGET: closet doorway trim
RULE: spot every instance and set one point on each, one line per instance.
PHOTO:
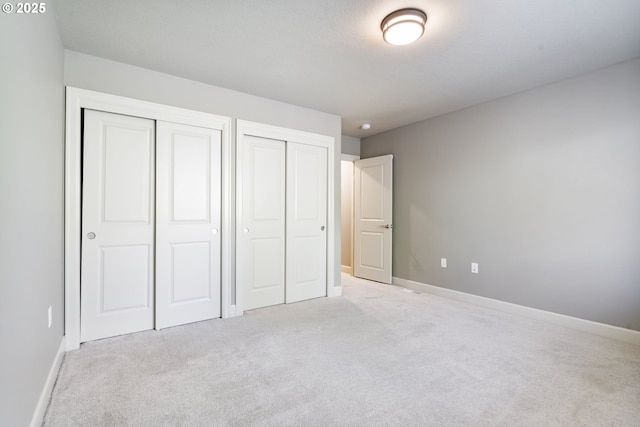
(76, 101)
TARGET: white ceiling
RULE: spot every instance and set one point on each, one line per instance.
(329, 55)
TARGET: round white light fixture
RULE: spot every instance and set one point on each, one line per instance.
(365, 126)
(403, 26)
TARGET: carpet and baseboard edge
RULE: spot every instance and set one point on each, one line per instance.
(600, 329)
(45, 394)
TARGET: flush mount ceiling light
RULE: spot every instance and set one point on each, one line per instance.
(365, 126)
(403, 26)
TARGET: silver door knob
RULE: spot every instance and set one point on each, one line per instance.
(322, 228)
(214, 231)
(387, 226)
(91, 236)
(245, 231)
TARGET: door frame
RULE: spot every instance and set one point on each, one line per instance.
(244, 127)
(350, 158)
(78, 99)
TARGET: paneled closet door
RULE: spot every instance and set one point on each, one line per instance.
(117, 275)
(261, 239)
(306, 266)
(188, 220)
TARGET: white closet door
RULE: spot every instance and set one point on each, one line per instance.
(187, 224)
(117, 226)
(306, 265)
(260, 264)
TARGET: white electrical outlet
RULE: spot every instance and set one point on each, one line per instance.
(443, 262)
(474, 267)
(50, 316)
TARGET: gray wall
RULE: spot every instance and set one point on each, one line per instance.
(31, 216)
(89, 72)
(542, 189)
(350, 145)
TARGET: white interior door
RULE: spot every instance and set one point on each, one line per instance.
(373, 222)
(260, 264)
(306, 266)
(188, 186)
(117, 276)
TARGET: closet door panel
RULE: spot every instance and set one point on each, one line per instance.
(306, 265)
(117, 274)
(261, 238)
(188, 224)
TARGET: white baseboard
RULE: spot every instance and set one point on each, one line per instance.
(334, 291)
(45, 395)
(346, 269)
(601, 329)
(232, 312)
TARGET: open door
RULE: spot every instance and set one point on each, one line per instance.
(373, 225)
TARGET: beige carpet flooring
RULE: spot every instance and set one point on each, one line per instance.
(378, 356)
